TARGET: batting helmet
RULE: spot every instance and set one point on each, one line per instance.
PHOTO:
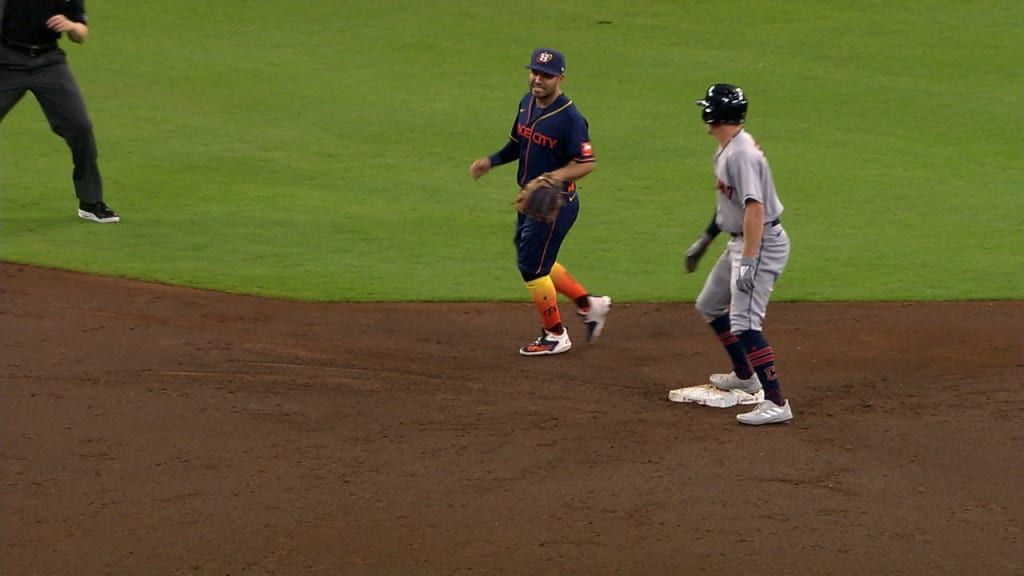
(724, 104)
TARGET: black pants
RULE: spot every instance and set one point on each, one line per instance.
(49, 78)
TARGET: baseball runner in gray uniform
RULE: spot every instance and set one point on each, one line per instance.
(735, 295)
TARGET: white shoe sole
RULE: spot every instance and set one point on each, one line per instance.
(86, 215)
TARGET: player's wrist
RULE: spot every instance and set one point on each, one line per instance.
(712, 231)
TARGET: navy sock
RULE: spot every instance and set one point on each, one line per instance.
(732, 346)
(762, 358)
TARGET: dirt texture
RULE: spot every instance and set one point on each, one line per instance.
(157, 430)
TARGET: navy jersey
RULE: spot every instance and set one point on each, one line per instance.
(25, 20)
(549, 138)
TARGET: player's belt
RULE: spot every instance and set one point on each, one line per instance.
(775, 222)
(29, 49)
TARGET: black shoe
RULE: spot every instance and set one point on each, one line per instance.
(98, 212)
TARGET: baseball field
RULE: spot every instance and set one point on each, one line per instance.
(296, 354)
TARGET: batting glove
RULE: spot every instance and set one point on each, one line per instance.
(745, 281)
(696, 251)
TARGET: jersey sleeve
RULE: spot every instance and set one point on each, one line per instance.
(745, 174)
(579, 141)
(524, 105)
(75, 11)
(509, 153)
(513, 135)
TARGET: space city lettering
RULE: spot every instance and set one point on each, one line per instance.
(534, 136)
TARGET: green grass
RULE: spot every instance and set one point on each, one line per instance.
(319, 150)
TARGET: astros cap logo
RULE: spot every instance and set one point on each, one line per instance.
(548, 61)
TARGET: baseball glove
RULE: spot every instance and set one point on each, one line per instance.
(541, 198)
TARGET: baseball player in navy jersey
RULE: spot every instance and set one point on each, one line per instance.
(735, 296)
(551, 138)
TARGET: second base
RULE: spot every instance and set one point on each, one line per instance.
(708, 395)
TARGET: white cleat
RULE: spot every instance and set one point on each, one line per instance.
(596, 316)
(767, 412)
(731, 381)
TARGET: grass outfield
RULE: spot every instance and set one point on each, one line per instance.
(319, 150)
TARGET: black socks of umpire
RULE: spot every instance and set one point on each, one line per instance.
(733, 347)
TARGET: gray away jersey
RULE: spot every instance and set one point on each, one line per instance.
(743, 173)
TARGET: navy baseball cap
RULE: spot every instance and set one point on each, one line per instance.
(548, 61)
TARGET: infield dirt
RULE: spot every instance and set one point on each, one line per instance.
(149, 429)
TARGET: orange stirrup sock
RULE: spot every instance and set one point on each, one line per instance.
(545, 298)
(566, 284)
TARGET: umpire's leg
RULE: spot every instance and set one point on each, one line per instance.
(57, 92)
(13, 82)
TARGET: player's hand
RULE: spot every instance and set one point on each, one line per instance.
(480, 167)
(745, 280)
(59, 23)
(696, 251)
